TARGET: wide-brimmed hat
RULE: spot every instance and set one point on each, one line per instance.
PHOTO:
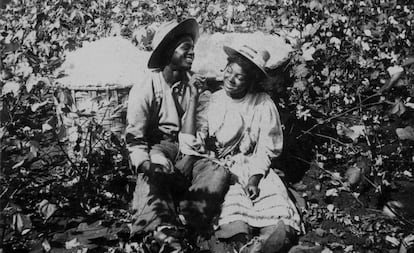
(166, 34)
(258, 57)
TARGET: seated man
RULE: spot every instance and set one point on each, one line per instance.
(157, 107)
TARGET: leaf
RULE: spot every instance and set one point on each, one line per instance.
(320, 232)
(392, 81)
(11, 87)
(406, 133)
(301, 70)
(22, 223)
(31, 82)
(353, 175)
(408, 61)
(36, 106)
(61, 133)
(375, 74)
(330, 207)
(325, 71)
(398, 108)
(394, 70)
(3, 131)
(65, 99)
(72, 243)
(332, 192)
(336, 42)
(47, 209)
(315, 5)
(116, 9)
(357, 131)
(46, 246)
(34, 148)
(44, 46)
(23, 69)
(300, 85)
(307, 54)
(335, 89)
(50, 124)
(19, 164)
(135, 4)
(365, 46)
(326, 250)
(392, 240)
(368, 33)
(46, 127)
(19, 34)
(115, 29)
(391, 208)
(30, 38)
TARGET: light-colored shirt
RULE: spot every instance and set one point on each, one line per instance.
(248, 133)
(155, 112)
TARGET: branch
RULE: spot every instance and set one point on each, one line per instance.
(69, 159)
(332, 176)
(335, 140)
(337, 116)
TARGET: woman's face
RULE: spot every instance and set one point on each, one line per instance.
(183, 55)
(235, 81)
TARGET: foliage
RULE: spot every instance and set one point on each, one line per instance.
(351, 73)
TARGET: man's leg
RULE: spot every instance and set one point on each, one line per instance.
(153, 202)
(278, 238)
(209, 185)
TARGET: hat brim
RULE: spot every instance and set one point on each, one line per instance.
(186, 27)
(233, 52)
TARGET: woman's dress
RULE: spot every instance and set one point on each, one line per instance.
(245, 135)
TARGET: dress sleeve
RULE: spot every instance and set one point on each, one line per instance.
(140, 100)
(195, 145)
(270, 140)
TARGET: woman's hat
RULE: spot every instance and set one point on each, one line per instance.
(166, 34)
(258, 57)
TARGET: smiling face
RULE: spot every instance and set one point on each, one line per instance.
(235, 80)
(183, 55)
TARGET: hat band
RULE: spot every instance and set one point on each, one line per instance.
(252, 55)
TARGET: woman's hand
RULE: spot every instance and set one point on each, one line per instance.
(253, 191)
(252, 188)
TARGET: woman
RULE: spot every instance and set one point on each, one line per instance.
(242, 132)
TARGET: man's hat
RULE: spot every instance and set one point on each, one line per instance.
(166, 34)
(258, 57)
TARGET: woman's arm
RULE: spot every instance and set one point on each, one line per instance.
(269, 145)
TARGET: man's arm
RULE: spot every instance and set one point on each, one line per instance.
(138, 116)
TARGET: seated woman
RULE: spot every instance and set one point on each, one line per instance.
(242, 132)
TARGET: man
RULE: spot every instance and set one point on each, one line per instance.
(156, 114)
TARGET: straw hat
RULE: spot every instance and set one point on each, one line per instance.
(166, 34)
(258, 57)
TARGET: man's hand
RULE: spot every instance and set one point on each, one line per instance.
(149, 168)
(145, 167)
(197, 84)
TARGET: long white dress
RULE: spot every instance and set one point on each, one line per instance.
(247, 134)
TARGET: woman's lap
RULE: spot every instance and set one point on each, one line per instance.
(272, 205)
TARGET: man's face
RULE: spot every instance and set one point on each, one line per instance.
(183, 55)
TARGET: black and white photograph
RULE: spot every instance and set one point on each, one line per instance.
(222, 126)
